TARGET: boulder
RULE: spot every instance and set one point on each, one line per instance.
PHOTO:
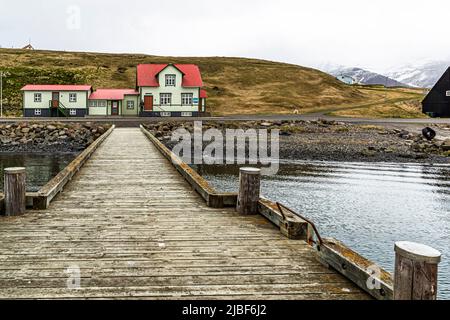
(51, 127)
(446, 145)
(5, 140)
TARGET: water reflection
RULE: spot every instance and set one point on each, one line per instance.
(367, 206)
(41, 168)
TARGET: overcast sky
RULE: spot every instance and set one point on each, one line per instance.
(372, 34)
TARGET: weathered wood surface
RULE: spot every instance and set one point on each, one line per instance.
(15, 191)
(249, 191)
(57, 184)
(366, 274)
(416, 271)
(137, 230)
(213, 198)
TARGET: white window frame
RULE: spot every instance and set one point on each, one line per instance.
(130, 105)
(101, 104)
(447, 93)
(165, 99)
(171, 80)
(166, 114)
(92, 103)
(186, 114)
(37, 97)
(187, 99)
(73, 97)
(73, 112)
(37, 112)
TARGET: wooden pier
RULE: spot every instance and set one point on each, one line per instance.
(131, 227)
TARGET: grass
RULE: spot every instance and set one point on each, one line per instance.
(234, 85)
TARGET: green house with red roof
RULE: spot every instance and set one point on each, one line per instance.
(162, 90)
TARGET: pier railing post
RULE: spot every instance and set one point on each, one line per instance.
(249, 191)
(416, 269)
(15, 191)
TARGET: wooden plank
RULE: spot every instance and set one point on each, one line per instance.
(357, 268)
(56, 185)
(137, 229)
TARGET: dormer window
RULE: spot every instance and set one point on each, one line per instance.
(171, 80)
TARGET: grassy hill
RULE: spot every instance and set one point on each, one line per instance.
(234, 85)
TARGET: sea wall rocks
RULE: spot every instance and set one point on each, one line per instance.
(49, 137)
(332, 140)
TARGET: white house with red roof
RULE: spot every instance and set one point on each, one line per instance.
(162, 90)
(55, 100)
(170, 89)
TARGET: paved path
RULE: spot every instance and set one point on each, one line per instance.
(135, 122)
(135, 229)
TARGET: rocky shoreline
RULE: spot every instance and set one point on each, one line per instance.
(334, 141)
(29, 137)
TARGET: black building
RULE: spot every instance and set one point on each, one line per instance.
(437, 102)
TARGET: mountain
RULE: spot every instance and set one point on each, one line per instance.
(421, 75)
(362, 76)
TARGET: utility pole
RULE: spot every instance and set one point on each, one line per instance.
(1, 94)
(2, 75)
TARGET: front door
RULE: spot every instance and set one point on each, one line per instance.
(115, 108)
(55, 99)
(148, 103)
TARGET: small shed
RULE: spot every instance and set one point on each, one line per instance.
(28, 47)
(437, 102)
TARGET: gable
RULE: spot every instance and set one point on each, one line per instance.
(149, 75)
(438, 93)
(170, 70)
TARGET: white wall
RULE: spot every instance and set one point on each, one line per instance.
(98, 111)
(63, 98)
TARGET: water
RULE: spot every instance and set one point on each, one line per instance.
(367, 206)
(41, 168)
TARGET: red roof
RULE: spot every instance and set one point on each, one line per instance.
(146, 74)
(112, 94)
(203, 94)
(56, 87)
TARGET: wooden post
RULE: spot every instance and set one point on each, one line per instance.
(249, 190)
(416, 268)
(15, 191)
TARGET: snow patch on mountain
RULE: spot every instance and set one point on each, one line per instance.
(362, 76)
(422, 75)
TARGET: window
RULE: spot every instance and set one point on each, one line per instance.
(72, 97)
(186, 99)
(130, 105)
(186, 114)
(37, 112)
(447, 93)
(165, 99)
(102, 104)
(171, 80)
(73, 112)
(92, 103)
(38, 97)
(166, 114)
